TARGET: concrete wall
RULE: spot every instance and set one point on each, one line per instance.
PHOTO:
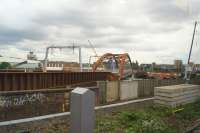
(112, 92)
(102, 85)
(24, 104)
(128, 90)
(108, 91)
(17, 106)
(146, 86)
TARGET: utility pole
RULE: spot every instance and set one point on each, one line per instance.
(188, 63)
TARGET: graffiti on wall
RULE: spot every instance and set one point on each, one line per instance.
(17, 100)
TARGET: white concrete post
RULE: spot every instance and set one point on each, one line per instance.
(82, 111)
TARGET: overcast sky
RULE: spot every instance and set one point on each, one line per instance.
(149, 30)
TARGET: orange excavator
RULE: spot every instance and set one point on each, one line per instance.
(113, 62)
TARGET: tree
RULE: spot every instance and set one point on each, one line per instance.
(137, 64)
(5, 65)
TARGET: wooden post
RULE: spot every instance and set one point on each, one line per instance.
(82, 111)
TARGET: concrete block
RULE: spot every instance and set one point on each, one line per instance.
(108, 91)
(176, 88)
(176, 95)
(112, 92)
(128, 90)
(172, 95)
(102, 85)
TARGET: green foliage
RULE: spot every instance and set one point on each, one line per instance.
(190, 112)
(149, 120)
(135, 65)
(5, 65)
(154, 119)
(108, 124)
(144, 122)
(56, 129)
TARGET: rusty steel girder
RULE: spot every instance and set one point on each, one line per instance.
(16, 81)
(120, 60)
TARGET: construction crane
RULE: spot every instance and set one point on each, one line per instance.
(187, 78)
(95, 52)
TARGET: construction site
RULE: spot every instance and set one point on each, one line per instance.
(36, 94)
(97, 87)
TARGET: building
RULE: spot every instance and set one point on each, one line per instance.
(178, 65)
(31, 56)
(164, 68)
(21, 64)
(196, 67)
(28, 65)
(61, 65)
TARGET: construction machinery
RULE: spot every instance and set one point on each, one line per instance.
(188, 68)
(162, 75)
(95, 52)
(120, 64)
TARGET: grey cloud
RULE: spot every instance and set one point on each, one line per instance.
(92, 25)
(168, 11)
(66, 17)
(120, 40)
(10, 35)
(131, 30)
